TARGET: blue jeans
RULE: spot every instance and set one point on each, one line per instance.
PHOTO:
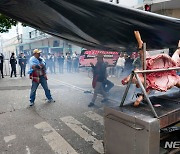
(34, 87)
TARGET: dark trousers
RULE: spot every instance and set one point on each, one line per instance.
(54, 67)
(75, 66)
(34, 87)
(1, 69)
(107, 85)
(13, 70)
(69, 65)
(23, 70)
(61, 67)
(51, 67)
(111, 71)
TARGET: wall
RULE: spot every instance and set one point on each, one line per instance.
(170, 12)
(10, 46)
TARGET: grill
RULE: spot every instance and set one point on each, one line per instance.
(168, 109)
(132, 130)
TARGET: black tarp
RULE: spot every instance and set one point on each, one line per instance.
(94, 24)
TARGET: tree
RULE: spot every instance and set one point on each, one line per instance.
(6, 23)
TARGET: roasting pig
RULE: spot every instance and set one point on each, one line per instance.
(160, 81)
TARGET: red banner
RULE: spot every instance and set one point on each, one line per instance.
(89, 56)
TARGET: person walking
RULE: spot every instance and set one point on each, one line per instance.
(1, 64)
(13, 63)
(22, 64)
(120, 65)
(99, 76)
(38, 75)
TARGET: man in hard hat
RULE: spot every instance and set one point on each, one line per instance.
(38, 75)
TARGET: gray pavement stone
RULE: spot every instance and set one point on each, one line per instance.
(18, 119)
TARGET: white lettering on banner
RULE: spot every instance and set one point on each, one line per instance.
(109, 56)
(92, 56)
(174, 145)
(95, 52)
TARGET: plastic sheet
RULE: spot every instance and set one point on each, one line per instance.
(94, 24)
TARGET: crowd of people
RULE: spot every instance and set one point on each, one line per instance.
(58, 61)
(40, 65)
(124, 65)
(22, 60)
(54, 63)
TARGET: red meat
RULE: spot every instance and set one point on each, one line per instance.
(161, 81)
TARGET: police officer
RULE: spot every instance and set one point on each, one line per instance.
(22, 64)
(13, 63)
(61, 63)
(1, 64)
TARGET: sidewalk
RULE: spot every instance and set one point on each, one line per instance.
(14, 93)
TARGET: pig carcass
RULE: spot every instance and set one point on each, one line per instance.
(161, 81)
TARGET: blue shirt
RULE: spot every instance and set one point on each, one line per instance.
(34, 61)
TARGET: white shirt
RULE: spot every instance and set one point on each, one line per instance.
(120, 61)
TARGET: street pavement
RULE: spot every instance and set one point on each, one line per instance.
(67, 126)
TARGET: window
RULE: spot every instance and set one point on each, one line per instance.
(35, 33)
(56, 43)
(29, 34)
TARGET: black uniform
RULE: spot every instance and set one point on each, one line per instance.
(69, 63)
(13, 63)
(22, 63)
(61, 63)
(76, 63)
(1, 64)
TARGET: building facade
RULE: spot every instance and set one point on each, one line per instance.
(164, 7)
(11, 46)
(32, 39)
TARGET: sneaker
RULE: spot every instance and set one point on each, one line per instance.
(31, 104)
(104, 100)
(91, 104)
(50, 101)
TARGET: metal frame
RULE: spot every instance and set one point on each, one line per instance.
(135, 73)
(143, 87)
